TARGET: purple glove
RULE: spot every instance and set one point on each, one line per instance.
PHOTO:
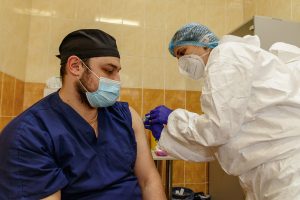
(159, 115)
(154, 128)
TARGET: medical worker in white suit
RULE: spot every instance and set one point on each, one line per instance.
(251, 105)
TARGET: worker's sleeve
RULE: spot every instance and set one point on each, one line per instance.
(224, 101)
(179, 149)
(28, 167)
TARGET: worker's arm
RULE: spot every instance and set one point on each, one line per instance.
(184, 150)
(145, 170)
(55, 196)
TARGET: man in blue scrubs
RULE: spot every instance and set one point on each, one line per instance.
(80, 143)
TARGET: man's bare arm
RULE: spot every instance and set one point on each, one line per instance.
(55, 196)
(145, 170)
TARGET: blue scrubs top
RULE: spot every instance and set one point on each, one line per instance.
(50, 147)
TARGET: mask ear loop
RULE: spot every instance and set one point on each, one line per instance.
(204, 54)
(82, 85)
(90, 69)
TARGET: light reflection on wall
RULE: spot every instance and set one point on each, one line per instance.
(117, 21)
(34, 12)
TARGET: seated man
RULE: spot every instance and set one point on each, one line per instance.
(80, 143)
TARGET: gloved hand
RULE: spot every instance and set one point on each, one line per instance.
(156, 129)
(159, 115)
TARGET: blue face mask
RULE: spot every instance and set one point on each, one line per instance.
(107, 93)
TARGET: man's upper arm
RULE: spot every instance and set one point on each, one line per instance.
(144, 166)
(145, 170)
(55, 196)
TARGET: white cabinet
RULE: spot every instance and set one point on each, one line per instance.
(270, 30)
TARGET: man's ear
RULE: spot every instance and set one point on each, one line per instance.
(74, 65)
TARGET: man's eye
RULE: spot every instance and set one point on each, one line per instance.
(109, 70)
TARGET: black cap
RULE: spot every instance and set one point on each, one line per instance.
(87, 43)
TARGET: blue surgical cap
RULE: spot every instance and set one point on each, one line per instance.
(193, 34)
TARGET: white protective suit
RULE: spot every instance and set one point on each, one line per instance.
(251, 125)
(289, 54)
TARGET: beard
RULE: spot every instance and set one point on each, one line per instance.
(81, 91)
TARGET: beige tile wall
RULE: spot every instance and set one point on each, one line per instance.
(282, 9)
(14, 33)
(143, 45)
(11, 98)
(33, 30)
(14, 23)
(142, 28)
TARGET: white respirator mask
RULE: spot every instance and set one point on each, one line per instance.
(192, 66)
